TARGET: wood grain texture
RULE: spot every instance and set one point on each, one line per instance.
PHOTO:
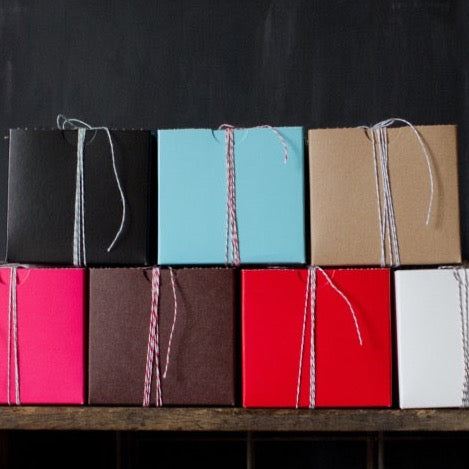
(231, 419)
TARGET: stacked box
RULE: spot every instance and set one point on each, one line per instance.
(276, 321)
(192, 196)
(431, 318)
(42, 330)
(344, 204)
(201, 368)
(42, 197)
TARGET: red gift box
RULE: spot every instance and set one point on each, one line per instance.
(346, 307)
(42, 341)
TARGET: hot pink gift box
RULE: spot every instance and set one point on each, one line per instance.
(50, 353)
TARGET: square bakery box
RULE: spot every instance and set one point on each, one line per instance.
(195, 336)
(432, 337)
(44, 225)
(42, 335)
(343, 361)
(268, 191)
(347, 196)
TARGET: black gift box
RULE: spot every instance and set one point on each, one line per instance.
(4, 139)
(42, 191)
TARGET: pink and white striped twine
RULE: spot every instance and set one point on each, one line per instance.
(310, 297)
(232, 236)
(13, 337)
(153, 348)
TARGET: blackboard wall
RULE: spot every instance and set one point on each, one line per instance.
(197, 63)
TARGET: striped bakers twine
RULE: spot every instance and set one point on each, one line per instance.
(153, 348)
(231, 219)
(13, 337)
(384, 199)
(460, 274)
(79, 245)
(310, 299)
(173, 325)
(79, 239)
(232, 235)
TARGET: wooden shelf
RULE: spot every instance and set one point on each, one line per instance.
(231, 419)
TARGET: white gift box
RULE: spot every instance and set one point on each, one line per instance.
(432, 337)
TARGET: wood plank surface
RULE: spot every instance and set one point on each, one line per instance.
(231, 419)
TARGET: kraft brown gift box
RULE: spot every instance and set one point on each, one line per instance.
(202, 359)
(344, 205)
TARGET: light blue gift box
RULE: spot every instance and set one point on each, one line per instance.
(192, 196)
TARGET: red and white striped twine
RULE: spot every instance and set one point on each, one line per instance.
(175, 313)
(153, 349)
(310, 297)
(13, 331)
(231, 217)
(232, 236)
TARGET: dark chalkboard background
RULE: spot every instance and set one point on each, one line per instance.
(174, 63)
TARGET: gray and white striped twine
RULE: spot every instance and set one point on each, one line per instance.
(79, 239)
(386, 217)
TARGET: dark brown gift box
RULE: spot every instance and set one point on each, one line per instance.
(202, 360)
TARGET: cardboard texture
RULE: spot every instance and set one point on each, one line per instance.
(347, 374)
(192, 191)
(429, 338)
(202, 361)
(51, 337)
(41, 197)
(344, 208)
